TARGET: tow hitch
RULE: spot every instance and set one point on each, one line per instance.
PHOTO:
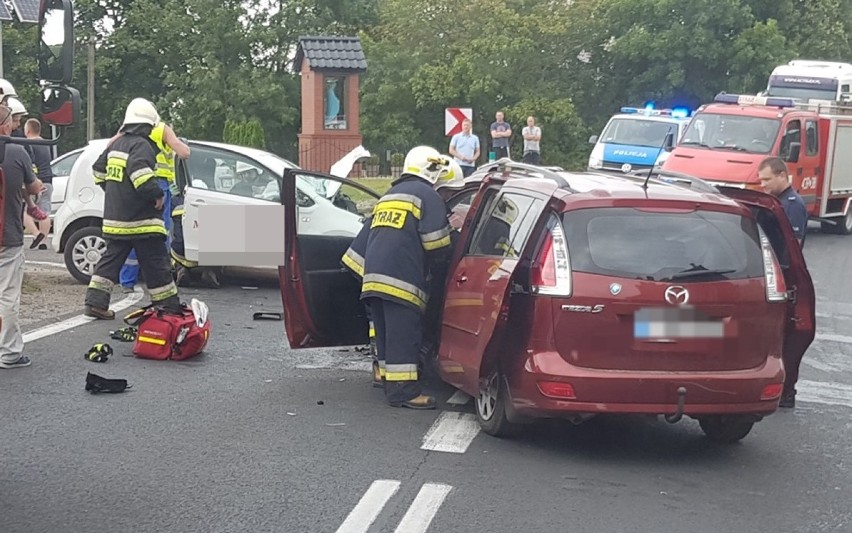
(681, 400)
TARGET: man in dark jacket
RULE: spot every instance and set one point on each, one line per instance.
(133, 218)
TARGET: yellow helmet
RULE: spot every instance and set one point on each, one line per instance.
(425, 162)
(452, 176)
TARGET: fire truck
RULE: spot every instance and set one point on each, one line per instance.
(727, 139)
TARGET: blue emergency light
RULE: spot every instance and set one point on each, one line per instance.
(748, 99)
(678, 112)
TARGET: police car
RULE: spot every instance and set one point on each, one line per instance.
(637, 139)
(216, 174)
(574, 294)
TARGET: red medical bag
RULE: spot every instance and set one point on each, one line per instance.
(165, 334)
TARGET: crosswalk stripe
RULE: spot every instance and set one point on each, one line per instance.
(424, 508)
(369, 507)
(451, 432)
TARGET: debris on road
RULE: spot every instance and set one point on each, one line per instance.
(96, 384)
(266, 316)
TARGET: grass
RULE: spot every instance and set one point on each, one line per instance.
(379, 185)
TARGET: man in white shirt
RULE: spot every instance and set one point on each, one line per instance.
(532, 138)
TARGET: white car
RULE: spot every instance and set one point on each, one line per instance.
(61, 169)
(215, 174)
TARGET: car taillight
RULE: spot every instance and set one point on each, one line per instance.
(770, 392)
(557, 389)
(776, 287)
(551, 272)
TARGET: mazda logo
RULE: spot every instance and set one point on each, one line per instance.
(677, 295)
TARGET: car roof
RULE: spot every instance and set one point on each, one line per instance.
(601, 185)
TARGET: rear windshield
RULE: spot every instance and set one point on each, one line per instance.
(659, 246)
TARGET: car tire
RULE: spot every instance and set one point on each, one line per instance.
(843, 226)
(725, 429)
(490, 407)
(83, 251)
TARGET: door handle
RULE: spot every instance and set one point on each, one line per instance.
(800, 170)
(196, 203)
(461, 278)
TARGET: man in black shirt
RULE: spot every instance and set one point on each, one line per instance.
(18, 174)
(41, 158)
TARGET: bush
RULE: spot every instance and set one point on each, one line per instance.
(397, 159)
(248, 134)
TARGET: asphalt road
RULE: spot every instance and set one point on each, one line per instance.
(236, 440)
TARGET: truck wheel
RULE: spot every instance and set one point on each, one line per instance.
(491, 408)
(843, 226)
(83, 251)
(725, 429)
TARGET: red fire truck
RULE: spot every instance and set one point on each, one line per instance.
(727, 139)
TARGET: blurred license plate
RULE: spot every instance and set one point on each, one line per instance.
(675, 323)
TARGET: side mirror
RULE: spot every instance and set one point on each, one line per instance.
(793, 152)
(593, 139)
(668, 143)
(60, 106)
(56, 41)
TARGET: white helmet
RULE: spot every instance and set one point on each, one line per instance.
(16, 106)
(452, 176)
(6, 89)
(425, 162)
(141, 111)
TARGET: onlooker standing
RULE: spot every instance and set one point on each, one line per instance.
(464, 147)
(500, 133)
(41, 158)
(532, 138)
(18, 171)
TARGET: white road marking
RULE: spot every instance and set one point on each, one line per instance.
(824, 392)
(79, 320)
(459, 398)
(451, 433)
(45, 263)
(423, 509)
(369, 507)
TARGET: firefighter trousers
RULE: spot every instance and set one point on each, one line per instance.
(130, 270)
(154, 262)
(398, 339)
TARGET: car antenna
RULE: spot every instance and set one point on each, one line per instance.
(651, 170)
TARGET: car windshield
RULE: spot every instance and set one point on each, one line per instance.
(732, 132)
(801, 93)
(636, 132)
(663, 246)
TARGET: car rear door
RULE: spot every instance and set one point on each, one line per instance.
(494, 238)
(320, 297)
(800, 329)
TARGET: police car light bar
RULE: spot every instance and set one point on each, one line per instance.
(748, 99)
(677, 112)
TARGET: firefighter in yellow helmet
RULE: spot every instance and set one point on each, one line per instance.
(133, 213)
(407, 234)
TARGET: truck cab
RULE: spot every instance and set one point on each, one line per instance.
(811, 80)
(637, 139)
(727, 139)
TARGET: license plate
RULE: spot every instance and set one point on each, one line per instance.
(676, 323)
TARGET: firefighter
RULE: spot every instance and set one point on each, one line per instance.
(353, 259)
(133, 219)
(408, 232)
(168, 145)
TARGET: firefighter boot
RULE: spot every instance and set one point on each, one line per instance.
(97, 312)
(420, 402)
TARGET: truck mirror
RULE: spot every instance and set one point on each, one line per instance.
(60, 106)
(56, 41)
(793, 152)
(593, 139)
(668, 143)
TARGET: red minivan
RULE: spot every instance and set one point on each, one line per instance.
(576, 294)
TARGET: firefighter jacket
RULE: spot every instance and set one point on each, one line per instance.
(165, 168)
(125, 171)
(407, 232)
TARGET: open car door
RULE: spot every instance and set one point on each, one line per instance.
(494, 237)
(800, 329)
(320, 296)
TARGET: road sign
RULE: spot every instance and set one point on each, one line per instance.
(453, 117)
